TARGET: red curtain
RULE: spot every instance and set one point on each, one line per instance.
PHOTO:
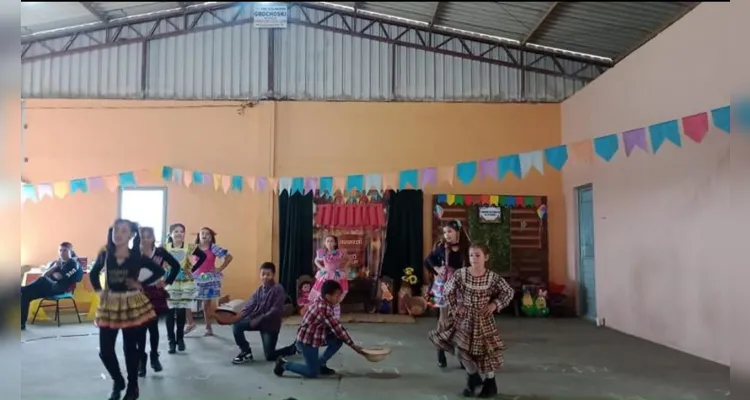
(362, 216)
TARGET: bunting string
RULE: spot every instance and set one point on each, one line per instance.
(603, 148)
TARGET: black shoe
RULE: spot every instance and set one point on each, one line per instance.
(155, 363)
(243, 357)
(442, 362)
(278, 367)
(472, 383)
(23, 327)
(172, 348)
(117, 389)
(181, 345)
(142, 366)
(324, 370)
(287, 351)
(489, 388)
(132, 392)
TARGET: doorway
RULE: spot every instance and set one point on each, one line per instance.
(586, 260)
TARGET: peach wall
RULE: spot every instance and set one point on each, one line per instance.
(280, 139)
(661, 221)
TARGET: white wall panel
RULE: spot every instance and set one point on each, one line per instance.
(226, 63)
(113, 72)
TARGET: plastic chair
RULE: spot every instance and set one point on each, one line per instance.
(68, 295)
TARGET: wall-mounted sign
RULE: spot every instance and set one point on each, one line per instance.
(270, 15)
(490, 215)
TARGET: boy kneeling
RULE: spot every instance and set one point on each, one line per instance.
(319, 328)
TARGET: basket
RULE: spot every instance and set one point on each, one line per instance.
(376, 354)
(417, 306)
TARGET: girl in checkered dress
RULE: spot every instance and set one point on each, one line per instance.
(474, 295)
(451, 252)
(208, 276)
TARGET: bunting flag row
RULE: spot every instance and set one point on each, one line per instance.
(694, 127)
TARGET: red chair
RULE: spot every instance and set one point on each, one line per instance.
(68, 295)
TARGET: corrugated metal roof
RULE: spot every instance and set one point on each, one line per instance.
(604, 29)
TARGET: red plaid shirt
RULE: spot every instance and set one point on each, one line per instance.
(318, 322)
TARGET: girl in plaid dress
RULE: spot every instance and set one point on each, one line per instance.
(208, 277)
(474, 295)
(449, 254)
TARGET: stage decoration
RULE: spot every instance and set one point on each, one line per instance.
(534, 301)
(606, 147)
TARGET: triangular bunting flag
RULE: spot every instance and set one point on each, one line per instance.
(582, 152)
(721, 118)
(607, 146)
(45, 190)
(226, 183)
(61, 189)
(28, 192)
(429, 177)
(298, 185)
(510, 163)
(532, 159)
(488, 168)
(187, 178)
(78, 185)
(217, 181)
(669, 130)
(408, 179)
(373, 182)
(273, 184)
(446, 174)
(250, 183)
(111, 182)
(634, 138)
(695, 126)
(466, 172)
(237, 183)
(285, 184)
(556, 156)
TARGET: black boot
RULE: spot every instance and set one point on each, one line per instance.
(172, 348)
(181, 345)
(132, 392)
(489, 388)
(113, 368)
(472, 383)
(442, 362)
(117, 389)
(155, 363)
(142, 365)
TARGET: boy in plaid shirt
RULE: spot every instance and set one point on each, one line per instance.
(319, 328)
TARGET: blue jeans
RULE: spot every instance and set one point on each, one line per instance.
(313, 359)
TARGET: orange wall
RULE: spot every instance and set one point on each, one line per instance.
(67, 139)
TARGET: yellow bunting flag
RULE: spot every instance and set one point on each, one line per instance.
(450, 199)
(494, 200)
(217, 181)
(226, 183)
(112, 182)
(61, 189)
(390, 181)
(250, 182)
(445, 174)
(187, 178)
(157, 174)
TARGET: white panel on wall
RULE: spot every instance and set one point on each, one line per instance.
(314, 64)
(226, 63)
(113, 72)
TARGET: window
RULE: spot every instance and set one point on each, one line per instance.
(147, 207)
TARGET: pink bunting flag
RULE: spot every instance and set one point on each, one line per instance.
(226, 183)
(429, 177)
(633, 139)
(696, 126)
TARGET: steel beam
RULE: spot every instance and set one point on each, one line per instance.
(196, 19)
(91, 8)
(540, 23)
(437, 16)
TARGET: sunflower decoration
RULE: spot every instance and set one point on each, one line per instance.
(409, 277)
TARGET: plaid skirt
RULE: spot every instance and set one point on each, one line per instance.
(473, 335)
(121, 310)
(209, 285)
(158, 297)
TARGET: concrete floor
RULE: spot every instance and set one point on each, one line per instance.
(545, 360)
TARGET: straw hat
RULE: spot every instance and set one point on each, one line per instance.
(417, 306)
(376, 354)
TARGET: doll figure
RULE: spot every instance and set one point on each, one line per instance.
(404, 295)
(386, 298)
(303, 296)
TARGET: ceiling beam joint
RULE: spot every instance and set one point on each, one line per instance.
(539, 24)
(91, 8)
(437, 16)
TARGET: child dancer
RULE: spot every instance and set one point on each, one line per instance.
(474, 295)
(450, 253)
(122, 305)
(157, 295)
(208, 276)
(183, 291)
(331, 263)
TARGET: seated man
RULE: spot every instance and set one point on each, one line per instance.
(56, 280)
(263, 313)
(319, 328)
